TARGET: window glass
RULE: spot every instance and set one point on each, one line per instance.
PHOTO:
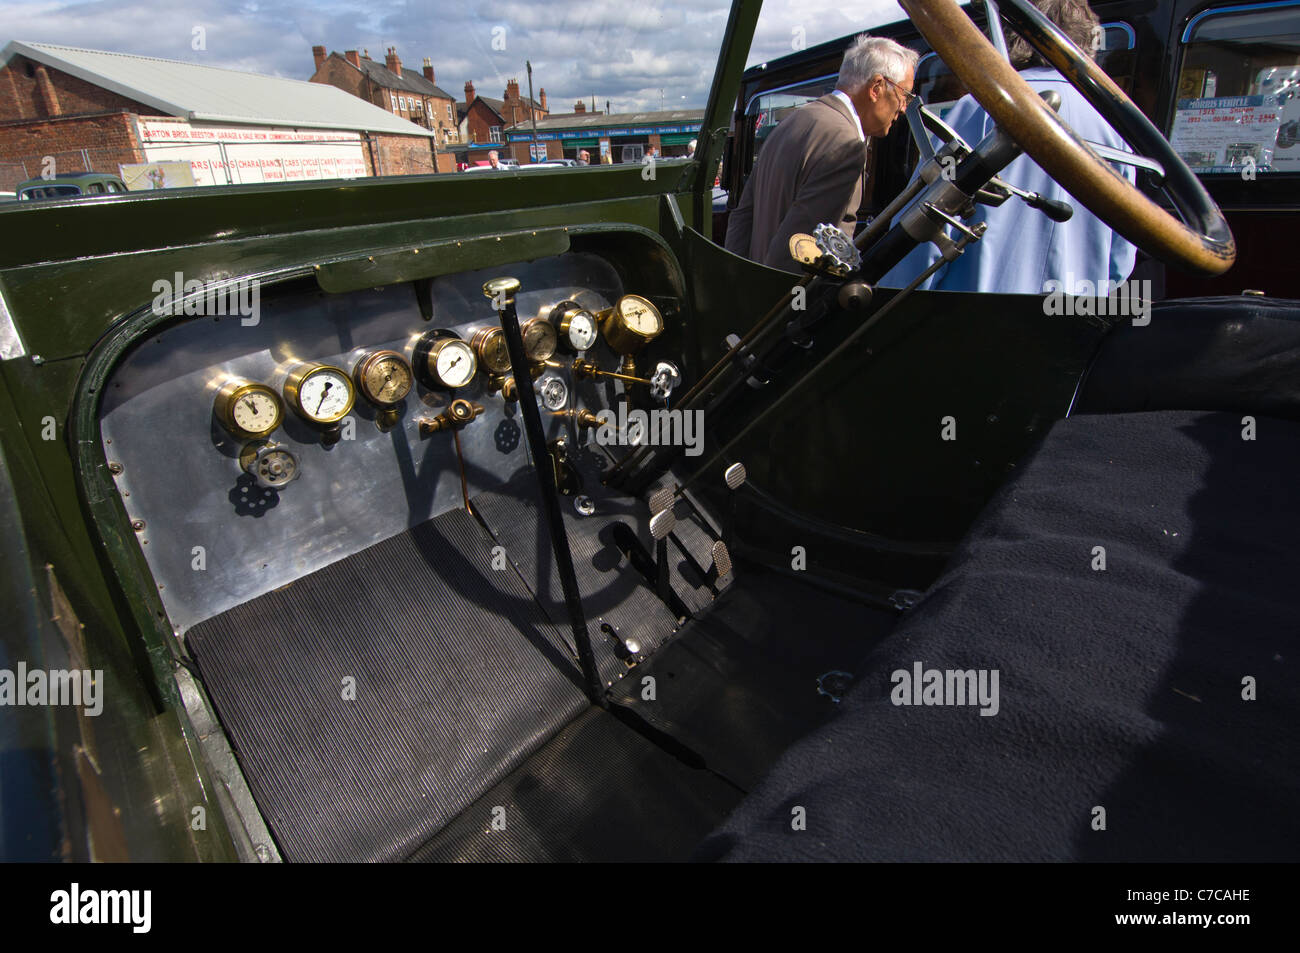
(1237, 107)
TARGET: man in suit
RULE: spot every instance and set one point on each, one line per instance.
(812, 167)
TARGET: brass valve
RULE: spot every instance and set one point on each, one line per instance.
(586, 419)
(510, 390)
(458, 414)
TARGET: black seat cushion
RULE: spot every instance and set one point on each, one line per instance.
(1119, 689)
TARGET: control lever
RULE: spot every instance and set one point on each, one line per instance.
(501, 292)
(625, 539)
(661, 524)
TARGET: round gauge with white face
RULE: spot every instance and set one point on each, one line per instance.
(577, 329)
(248, 409)
(540, 339)
(383, 377)
(452, 363)
(632, 323)
(320, 393)
(490, 344)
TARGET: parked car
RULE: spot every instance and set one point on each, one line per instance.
(70, 185)
(403, 520)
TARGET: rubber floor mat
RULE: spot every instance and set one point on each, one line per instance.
(597, 791)
(370, 702)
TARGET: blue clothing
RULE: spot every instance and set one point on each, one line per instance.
(1023, 249)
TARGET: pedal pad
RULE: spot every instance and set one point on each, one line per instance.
(735, 475)
(661, 500)
(721, 558)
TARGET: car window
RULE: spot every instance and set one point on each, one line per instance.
(1237, 106)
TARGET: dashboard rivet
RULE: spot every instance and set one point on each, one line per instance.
(137, 525)
(115, 468)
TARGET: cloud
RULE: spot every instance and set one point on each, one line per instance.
(626, 51)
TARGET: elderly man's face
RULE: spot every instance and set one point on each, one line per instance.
(882, 101)
(493, 157)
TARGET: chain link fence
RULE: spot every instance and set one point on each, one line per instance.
(20, 169)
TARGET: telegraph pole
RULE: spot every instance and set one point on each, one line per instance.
(532, 109)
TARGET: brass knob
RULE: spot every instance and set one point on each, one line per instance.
(586, 419)
(501, 289)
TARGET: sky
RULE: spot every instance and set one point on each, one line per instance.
(636, 54)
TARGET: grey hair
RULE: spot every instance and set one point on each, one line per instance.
(868, 56)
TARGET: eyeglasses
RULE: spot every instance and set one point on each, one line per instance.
(910, 95)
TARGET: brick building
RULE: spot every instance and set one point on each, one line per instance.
(486, 120)
(624, 137)
(413, 96)
(88, 110)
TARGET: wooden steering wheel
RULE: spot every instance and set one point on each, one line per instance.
(1202, 242)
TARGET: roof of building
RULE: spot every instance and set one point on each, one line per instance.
(213, 94)
(498, 105)
(410, 80)
(596, 120)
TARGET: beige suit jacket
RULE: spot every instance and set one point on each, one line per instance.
(811, 170)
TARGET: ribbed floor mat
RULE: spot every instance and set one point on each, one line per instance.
(597, 791)
(612, 591)
(457, 675)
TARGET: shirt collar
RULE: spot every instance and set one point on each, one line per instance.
(844, 98)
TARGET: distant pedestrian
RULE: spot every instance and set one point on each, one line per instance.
(584, 157)
(494, 159)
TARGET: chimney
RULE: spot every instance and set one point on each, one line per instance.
(392, 62)
(579, 107)
(49, 97)
(428, 70)
(354, 58)
(469, 93)
(541, 99)
(512, 90)
(318, 53)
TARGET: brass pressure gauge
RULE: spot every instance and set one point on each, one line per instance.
(451, 363)
(631, 324)
(320, 393)
(490, 344)
(576, 327)
(383, 377)
(248, 409)
(540, 339)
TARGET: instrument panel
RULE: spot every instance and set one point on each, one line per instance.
(249, 456)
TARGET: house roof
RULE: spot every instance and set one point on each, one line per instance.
(593, 120)
(410, 80)
(213, 94)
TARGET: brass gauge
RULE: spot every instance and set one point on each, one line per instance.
(320, 393)
(451, 363)
(576, 327)
(248, 409)
(383, 377)
(490, 344)
(632, 323)
(540, 339)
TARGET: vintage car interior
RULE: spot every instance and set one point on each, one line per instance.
(545, 529)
